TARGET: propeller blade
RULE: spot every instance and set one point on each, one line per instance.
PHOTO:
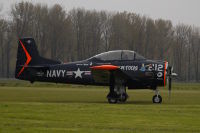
(174, 74)
(170, 80)
(170, 84)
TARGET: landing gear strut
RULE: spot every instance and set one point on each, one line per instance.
(117, 94)
(117, 90)
(157, 98)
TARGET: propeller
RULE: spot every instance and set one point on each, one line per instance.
(170, 74)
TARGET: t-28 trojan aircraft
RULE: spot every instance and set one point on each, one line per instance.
(119, 69)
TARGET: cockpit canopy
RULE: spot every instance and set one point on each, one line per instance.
(118, 55)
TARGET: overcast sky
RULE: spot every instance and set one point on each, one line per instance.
(178, 11)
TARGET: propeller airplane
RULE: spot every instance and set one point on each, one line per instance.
(118, 69)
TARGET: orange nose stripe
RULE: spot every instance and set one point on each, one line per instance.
(165, 73)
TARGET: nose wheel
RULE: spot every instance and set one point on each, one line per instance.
(157, 98)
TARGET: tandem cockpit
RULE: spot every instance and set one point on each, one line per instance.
(117, 55)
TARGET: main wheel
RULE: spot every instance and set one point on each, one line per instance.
(123, 98)
(157, 99)
(112, 100)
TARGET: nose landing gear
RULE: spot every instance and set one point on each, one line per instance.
(157, 98)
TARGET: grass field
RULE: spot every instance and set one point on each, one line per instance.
(26, 108)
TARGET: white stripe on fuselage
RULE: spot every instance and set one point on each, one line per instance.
(64, 73)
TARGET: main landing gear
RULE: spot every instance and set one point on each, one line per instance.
(117, 90)
(117, 94)
(157, 98)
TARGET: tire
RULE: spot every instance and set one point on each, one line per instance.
(112, 100)
(124, 98)
(157, 99)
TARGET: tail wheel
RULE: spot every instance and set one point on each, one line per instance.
(157, 99)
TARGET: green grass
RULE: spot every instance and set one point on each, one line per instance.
(51, 108)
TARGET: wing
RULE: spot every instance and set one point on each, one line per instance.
(101, 74)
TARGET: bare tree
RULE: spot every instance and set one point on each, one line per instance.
(106, 30)
(182, 40)
(3, 26)
(195, 49)
(23, 19)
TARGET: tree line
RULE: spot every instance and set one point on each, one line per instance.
(78, 34)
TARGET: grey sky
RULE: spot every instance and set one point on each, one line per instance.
(178, 11)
